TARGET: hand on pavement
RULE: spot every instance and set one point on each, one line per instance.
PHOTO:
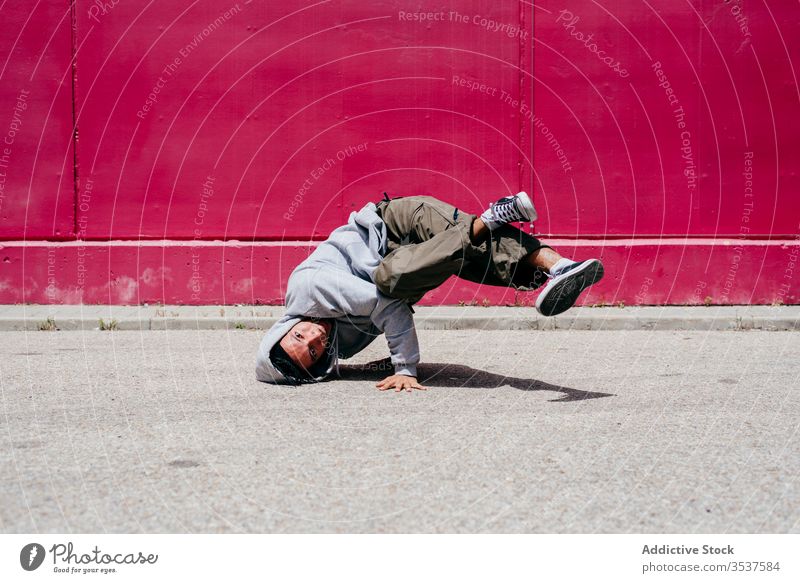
(400, 382)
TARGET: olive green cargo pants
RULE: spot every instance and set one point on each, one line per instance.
(429, 240)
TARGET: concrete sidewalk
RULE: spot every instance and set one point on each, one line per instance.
(88, 317)
(519, 431)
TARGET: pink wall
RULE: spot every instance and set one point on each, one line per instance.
(215, 140)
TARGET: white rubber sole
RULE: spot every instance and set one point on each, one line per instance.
(561, 293)
(527, 206)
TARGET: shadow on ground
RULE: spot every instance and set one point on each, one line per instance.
(457, 375)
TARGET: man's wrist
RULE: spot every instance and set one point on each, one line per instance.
(409, 370)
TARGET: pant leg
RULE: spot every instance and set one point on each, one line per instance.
(510, 248)
(429, 242)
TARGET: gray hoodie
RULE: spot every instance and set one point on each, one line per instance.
(336, 282)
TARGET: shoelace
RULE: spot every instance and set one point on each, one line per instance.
(506, 210)
(565, 269)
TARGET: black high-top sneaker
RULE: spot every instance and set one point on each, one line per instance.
(562, 291)
(509, 209)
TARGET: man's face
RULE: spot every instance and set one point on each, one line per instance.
(305, 342)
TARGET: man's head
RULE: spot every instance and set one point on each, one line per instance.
(301, 348)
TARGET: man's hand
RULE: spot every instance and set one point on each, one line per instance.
(400, 382)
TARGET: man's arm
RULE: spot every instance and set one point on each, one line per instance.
(394, 317)
(396, 320)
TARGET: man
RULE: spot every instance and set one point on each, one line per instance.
(362, 281)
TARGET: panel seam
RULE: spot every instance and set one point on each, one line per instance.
(521, 61)
(74, 136)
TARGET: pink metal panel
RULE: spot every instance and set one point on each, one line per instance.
(36, 156)
(659, 109)
(273, 120)
(100, 273)
(638, 273)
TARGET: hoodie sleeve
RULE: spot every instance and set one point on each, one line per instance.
(394, 317)
(329, 293)
(335, 293)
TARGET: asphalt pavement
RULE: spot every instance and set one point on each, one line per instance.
(520, 431)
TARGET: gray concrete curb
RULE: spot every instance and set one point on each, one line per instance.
(39, 317)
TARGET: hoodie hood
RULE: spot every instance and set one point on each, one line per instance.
(266, 371)
(334, 283)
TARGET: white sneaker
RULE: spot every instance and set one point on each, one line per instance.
(562, 291)
(509, 209)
